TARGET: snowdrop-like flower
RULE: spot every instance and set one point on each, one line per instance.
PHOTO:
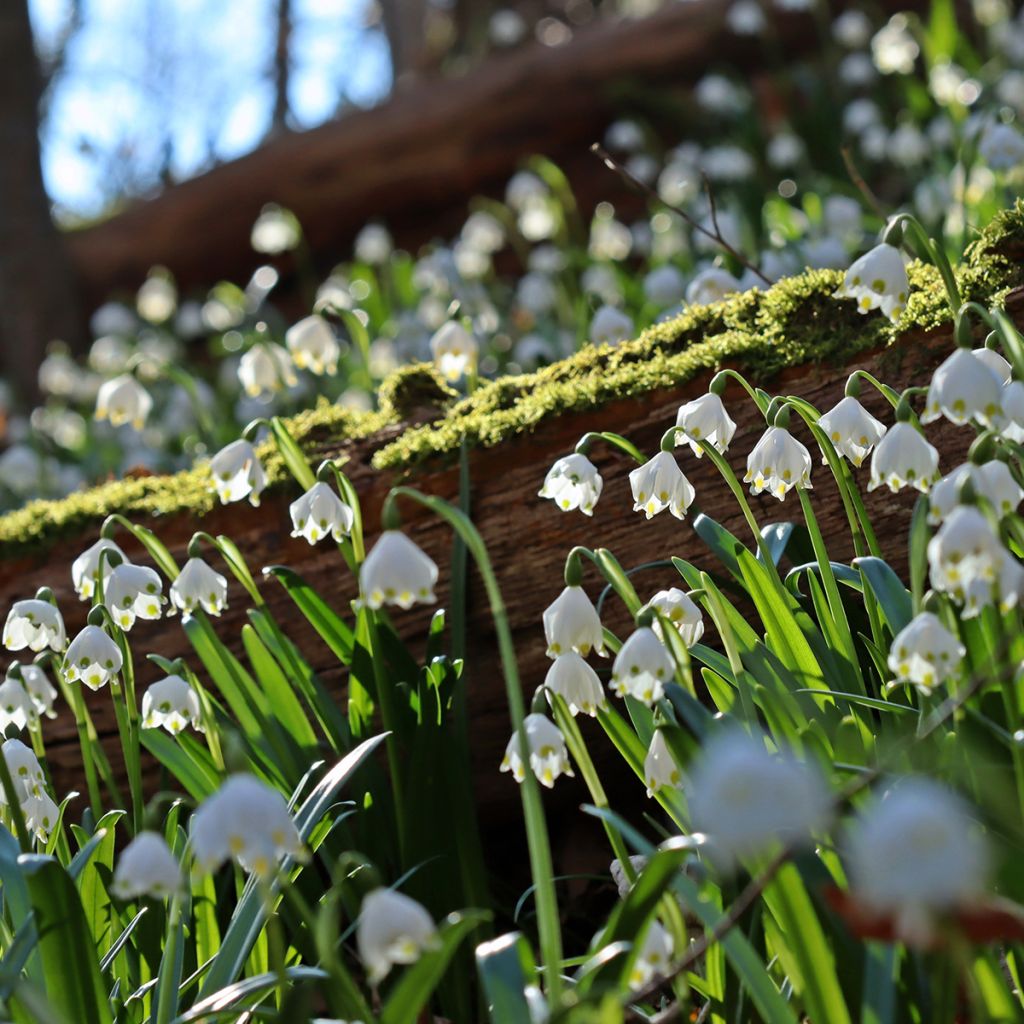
(965, 550)
(264, 369)
(320, 513)
(610, 326)
(199, 586)
(245, 820)
(705, 419)
(171, 703)
(548, 756)
(573, 482)
(454, 350)
(746, 799)
(852, 429)
(147, 867)
(313, 345)
(157, 297)
(392, 929)
(276, 230)
(34, 624)
(677, 606)
(373, 244)
(1001, 147)
(16, 706)
(237, 473)
(660, 768)
(660, 484)
(664, 286)
(92, 658)
(571, 623)
(133, 591)
(711, 285)
(778, 463)
(1005, 591)
(995, 362)
(397, 572)
(41, 813)
(654, 959)
(925, 653)
(86, 566)
(746, 18)
(40, 689)
(642, 667)
(123, 400)
(894, 47)
(852, 29)
(917, 853)
(878, 280)
(992, 480)
(575, 682)
(25, 769)
(904, 458)
(962, 389)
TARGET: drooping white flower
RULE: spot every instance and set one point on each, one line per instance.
(664, 286)
(25, 770)
(247, 821)
(16, 706)
(660, 484)
(642, 667)
(904, 458)
(571, 623)
(548, 756)
(778, 463)
(373, 244)
(237, 473)
(576, 683)
(133, 591)
(654, 959)
(925, 653)
(276, 230)
(917, 853)
(397, 572)
(705, 419)
(199, 586)
(660, 768)
(1006, 591)
(157, 297)
(171, 703)
(991, 480)
(746, 799)
(573, 482)
(320, 513)
(711, 285)
(746, 17)
(878, 280)
(852, 29)
(894, 47)
(964, 551)
(41, 813)
(92, 658)
(610, 326)
(86, 566)
(1001, 147)
(962, 389)
(123, 400)
(679, 608)
(852, 429)
(264, 369)
(995, 362)
(147, 867)
(454, 350)
(40, 689)
(392, 929)
(313, 345)
(34, 624)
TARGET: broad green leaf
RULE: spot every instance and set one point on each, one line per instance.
(506, 967)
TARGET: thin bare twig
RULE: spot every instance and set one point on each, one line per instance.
(714, 235)
(862, 186)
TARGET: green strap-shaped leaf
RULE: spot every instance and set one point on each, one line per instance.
(506, 967)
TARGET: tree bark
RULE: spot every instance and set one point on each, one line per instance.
(37, 294)
(282, 66)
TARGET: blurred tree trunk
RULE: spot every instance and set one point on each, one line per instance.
(37, 295)
(405, 23)
(282, 66)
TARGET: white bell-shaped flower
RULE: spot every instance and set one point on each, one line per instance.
(25, 769)
(92, 658)
(397, 571)
(642, 667)
(392, 929)
(747, 800)
(576, 683)
(320, 513)
(171, 703)
(40, 689)
(133, 591)
(548, 756)
(276, 230)
(1006, 591)
(903, 458)
(991, 480)
(995, 362)
(778, 463)
(680, 609)
(34, 624)
(654, 960)
(660, 768)
(660, 484)
(147, 867)
(571, 623)
(925, 653)
(373, 244)
(610, 326)
(237, 473)
(199, 586)
(123, 400)
(962, 389)
(41, 813)
(878, 280)
(711, 285)
(16, 706)
(965, 550)
(86, 567)
(664, 286)
(573, 482)
(454, 350)
(851, 429)
(313, 346)
(264, 369)
(247, 821)
(705, 419)
(917, 853)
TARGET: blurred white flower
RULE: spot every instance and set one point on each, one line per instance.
(237, 473)
(642, 667)
(123, 400)
(660, 768)
(373, 245)
(264, 369)
(601, 281)
(313, 345)
(573, 482)
(85, 568)
(171, 703)
(859, 115)
(746, 18)
(660, 484)
(147, 867)
(199, 586)
(705, 419)
(728, 164)
(576, 683)
(25, 769)
(925, 653)
(524, 187)
(40, 689)
(992, 480)
(16, 706)
(894, 47)
(276, 230)
(454, 350)
(778, 463)
(320, 513)
(392, 929)
(157, 299)
(908, 145)
(536, 293)
(904, 458)
(664, 286)
(963, 388)
(1001, 147)
(654, 959)
(548, 756)
(133, 591)
(41, 813)
(843, 216)
(92, 658)
(113, 318)
(625, 136)
(785, 150)
(506, 27)
(397, 572)
(711, 285)
(720, 95)
(852, 429)
(878, 280)
(34, 624)
(571, 623)
(852, 29)
(609, 326)
(677, 606)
